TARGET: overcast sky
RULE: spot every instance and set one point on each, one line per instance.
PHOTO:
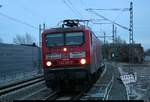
(24, 16)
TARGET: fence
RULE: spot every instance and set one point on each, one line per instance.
(18, 62)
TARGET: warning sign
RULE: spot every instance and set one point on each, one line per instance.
(129, 78)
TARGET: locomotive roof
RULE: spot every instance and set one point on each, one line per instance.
(61, 29)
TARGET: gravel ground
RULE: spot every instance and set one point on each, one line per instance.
(115, 93)
(141, 88)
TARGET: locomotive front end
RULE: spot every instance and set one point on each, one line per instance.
(65, 56)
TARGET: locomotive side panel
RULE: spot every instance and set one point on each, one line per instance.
(96, 55)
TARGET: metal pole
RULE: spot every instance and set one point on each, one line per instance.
(39, 50)
(44, 26)
(131, 23)
(113, 33)
(131, 45)
(116, 48)
(104, 45)
(131, 38)
(40, 29)
(104, 37)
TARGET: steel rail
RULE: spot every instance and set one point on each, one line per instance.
(52, 96)
(73, 96)
(108, 89)
(20, 85)
(34, 93)
(66, 96)
(57, 95)
(78, 96)
(19, 82)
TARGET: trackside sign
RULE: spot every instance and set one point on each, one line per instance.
(129, 78)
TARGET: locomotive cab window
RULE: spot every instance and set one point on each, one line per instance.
(75, 38)
(54, 40)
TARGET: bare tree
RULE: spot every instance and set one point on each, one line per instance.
(26, 39)
(119, 40)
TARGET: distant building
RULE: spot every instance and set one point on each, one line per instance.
(147, 58)
(120, 52)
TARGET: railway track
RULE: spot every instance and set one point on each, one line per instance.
(72, 96)
(101, 89)
(35, 89)
(66, 95)
(7, 90)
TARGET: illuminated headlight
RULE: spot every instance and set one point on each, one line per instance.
(83, 61)
(65, 49)
(48, 63)
(53, 56)
(77, 54)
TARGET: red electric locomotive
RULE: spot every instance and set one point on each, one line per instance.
(71, 55)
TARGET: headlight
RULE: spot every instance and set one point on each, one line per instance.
(53, 56)
(83, 61)
(48, 63)
(65, 49)
(77, 54)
